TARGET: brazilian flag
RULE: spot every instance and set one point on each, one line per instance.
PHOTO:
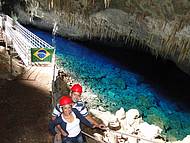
(41, 54)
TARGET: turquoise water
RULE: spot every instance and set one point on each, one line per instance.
(130, 83)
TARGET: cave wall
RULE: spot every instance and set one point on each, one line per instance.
(164, 26)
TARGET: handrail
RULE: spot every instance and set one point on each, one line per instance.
(32, 38)
(129, 135)
(35, 40)
(137, 137)
(23, 39)
(23, 47)
(92, 137)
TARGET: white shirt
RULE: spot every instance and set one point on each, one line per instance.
(73, 128)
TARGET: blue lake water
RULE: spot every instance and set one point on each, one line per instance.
(157, 89)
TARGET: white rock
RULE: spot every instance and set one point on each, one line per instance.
(149, 131)
(186, 139)
(132, 120)
(106, 117)
(2, 49)
(120, 114)
(98, 136)
(110, 137)
(132, 140)
(101, 109)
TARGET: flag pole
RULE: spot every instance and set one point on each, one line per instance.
(55, 28)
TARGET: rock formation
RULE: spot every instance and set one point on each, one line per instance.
(163, 26)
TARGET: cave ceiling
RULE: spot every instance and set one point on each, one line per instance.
(164, 26)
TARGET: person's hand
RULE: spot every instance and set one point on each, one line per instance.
(63, 133)
(100, 126)
(57, 137)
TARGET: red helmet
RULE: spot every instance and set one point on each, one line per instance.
(65, 100)
(76, 88)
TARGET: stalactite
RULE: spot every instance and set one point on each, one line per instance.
(109, 33)
(188, 51)
(162, 46)
(139, 43)
(164, 25)
(134, 40)
(72, 20)
(98, 27)
(106, 33)
(90, 23)
(150, 39)
(181, 52)
(184, 50)
(129, 41)
(169, 48)
(107, 3)
(174, 47)
(180, 25)
(87, 27)
(85, 3)
(126, 40)
(112, 34)
(50, 4)
(115, 34)
(76, 20)
(136, 43)
(66, 20)
(95, 30)
(101, 35)
(130, 32)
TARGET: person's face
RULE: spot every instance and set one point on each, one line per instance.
(75, 96)
(67, 109)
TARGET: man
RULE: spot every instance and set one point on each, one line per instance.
(75, 93)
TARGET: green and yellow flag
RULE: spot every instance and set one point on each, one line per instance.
(41, 54)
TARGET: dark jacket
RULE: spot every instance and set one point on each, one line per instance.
(59, 121)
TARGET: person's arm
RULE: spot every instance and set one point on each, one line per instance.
(52, 125)
(55, 114)
(82, 118)
(58, 123)
(60, 130)
(90, 118)
(94, 122)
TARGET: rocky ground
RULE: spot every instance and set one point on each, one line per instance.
(25, 104)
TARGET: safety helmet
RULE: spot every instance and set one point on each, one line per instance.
(76, 88)
(65, 100)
